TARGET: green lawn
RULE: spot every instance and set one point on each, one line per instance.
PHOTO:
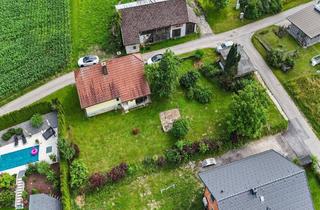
(106, 140)
(314, 186)
(302, 82)
(144, 192)
(228, 18)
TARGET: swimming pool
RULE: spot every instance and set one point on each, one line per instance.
(17, 158)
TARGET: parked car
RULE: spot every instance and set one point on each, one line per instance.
(315, 60)
(208, 162)
(155, 59)
(224, 45)
(88, 60)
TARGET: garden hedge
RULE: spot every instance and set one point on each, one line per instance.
(24, 114)
(64, 185)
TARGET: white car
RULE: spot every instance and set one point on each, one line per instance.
(155, 59)
(224, 45)
(88, 60)
(315, 60)
(208, 162)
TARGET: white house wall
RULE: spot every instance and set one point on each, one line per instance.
(102, 107)
(182, 27)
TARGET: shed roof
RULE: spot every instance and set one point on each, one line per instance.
(124, 80)
(137, 18)
(277, 182)
(43, 201)
(307, 20)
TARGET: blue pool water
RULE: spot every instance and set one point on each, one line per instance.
(17, 158)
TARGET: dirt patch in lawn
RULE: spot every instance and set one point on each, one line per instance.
(40, 183)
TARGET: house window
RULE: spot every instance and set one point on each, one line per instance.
(134, 47)
(190, 27)
(141, 100)
(49, 149)
(176, 33)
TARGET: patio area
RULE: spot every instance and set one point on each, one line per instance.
(15, 158)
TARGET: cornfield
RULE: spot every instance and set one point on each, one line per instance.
(35, 42)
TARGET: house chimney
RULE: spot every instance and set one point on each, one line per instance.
(104, 68)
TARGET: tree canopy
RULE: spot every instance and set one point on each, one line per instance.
(163, 76)
(248, 111)
(230, 68)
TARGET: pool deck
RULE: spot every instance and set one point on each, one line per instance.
(31, 142)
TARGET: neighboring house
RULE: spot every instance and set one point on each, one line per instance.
(245, 65)
(43, 202)
(115, 84)
(149, 21)
(265, 181)
(305, 25)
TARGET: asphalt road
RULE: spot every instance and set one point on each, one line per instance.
(300, 135)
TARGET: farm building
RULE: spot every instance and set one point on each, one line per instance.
(149, 21)
(116, 84)
(263, 181)
(305, 25)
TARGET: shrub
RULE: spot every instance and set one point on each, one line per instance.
(161, 161)
(135, 131)
(97, 180)
(32, 169)
(204, 148)
(25, 195)
(118, 172)
(6, 198)
(19, 131)
(202, 95)
(190, 94)
(43, 167)
(148, 161)
(198, 55)
(11, 131)
(6, 181)
(52, 178)
(64, 185)
(6, 136)
(180, 128)
(210, 71)
(78, 174)
(34, 191)
(53, 157)
(66, 150)
(36, 120)
(173, 156)
(189, 79)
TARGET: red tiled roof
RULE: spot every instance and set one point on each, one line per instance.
(125, 80)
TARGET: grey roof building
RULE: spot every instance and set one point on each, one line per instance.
(245, 65)
(148, 21)
(305, 25)
(43, 202)
(265, 181)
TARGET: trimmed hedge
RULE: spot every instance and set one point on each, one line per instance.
(24, 114)
(64, 185)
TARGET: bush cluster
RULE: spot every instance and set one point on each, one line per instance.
(180, 128)
(67, 151)
(280, 59)
(11, 132)
(188, 82)
(183, 150)
(78, 174)
(210, 71)
(7, 187)
(100, 179)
